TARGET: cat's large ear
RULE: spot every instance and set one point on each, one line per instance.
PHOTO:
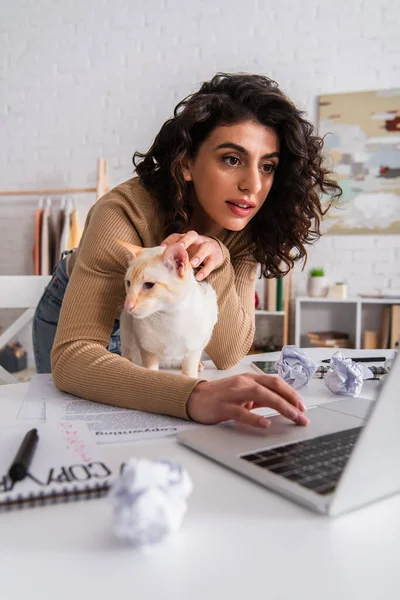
(176, 257)
(133, 250)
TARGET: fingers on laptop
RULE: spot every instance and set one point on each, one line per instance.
(283, 389)
(243, 415)
(271, 392)
(235, 397)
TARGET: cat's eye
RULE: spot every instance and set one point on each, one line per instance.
(148, 285)
(128, 283)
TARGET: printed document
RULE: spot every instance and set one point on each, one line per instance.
(109, 424)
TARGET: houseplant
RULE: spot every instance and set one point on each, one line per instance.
(317, 285)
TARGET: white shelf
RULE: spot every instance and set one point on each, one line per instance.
(379, 300)
(352, 300)
(327, 299)
(345, 320)
(271, 313)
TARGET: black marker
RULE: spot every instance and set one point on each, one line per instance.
(22, 460)
(361, 359)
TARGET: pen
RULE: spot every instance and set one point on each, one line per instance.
(361, 359)
(23, 458)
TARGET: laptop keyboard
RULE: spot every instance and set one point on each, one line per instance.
(316, 464)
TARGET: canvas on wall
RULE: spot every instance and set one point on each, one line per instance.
(363, 149)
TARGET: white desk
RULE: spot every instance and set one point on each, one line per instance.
(238, 540)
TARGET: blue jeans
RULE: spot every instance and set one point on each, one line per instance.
(46, 316)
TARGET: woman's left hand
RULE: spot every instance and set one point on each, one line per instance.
(202, 250)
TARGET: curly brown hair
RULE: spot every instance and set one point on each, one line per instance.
(291, 215)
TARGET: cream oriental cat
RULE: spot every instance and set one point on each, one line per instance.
(168, 316)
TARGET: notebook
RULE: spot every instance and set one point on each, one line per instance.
(66, 466)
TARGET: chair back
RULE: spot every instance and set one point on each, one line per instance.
(21, 291)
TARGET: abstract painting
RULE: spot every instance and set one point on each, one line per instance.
(362, 147)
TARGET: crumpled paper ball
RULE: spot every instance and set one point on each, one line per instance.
(388, 364)
(345, 377)
(390, 361)
(295, 366)
(149, 500)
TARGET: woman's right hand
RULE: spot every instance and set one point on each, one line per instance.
(233, 398)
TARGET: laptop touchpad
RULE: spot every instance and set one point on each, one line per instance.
(356, 407)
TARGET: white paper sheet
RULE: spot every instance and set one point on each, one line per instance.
(34, 403)
(109, 424)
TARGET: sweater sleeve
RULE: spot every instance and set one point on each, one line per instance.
(81, 363)
(234, 282)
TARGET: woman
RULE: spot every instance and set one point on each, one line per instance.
(235, 176)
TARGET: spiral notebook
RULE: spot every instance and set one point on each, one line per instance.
(67, 465)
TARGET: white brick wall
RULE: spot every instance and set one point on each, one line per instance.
(97, 78)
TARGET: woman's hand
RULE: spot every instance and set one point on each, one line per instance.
(201, 249)
(234, 397)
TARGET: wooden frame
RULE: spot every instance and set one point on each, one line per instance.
(25, 291)
(102, 186)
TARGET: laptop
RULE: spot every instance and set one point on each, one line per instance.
(348, 456)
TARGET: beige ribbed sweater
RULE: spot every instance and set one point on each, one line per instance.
(82, 365)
